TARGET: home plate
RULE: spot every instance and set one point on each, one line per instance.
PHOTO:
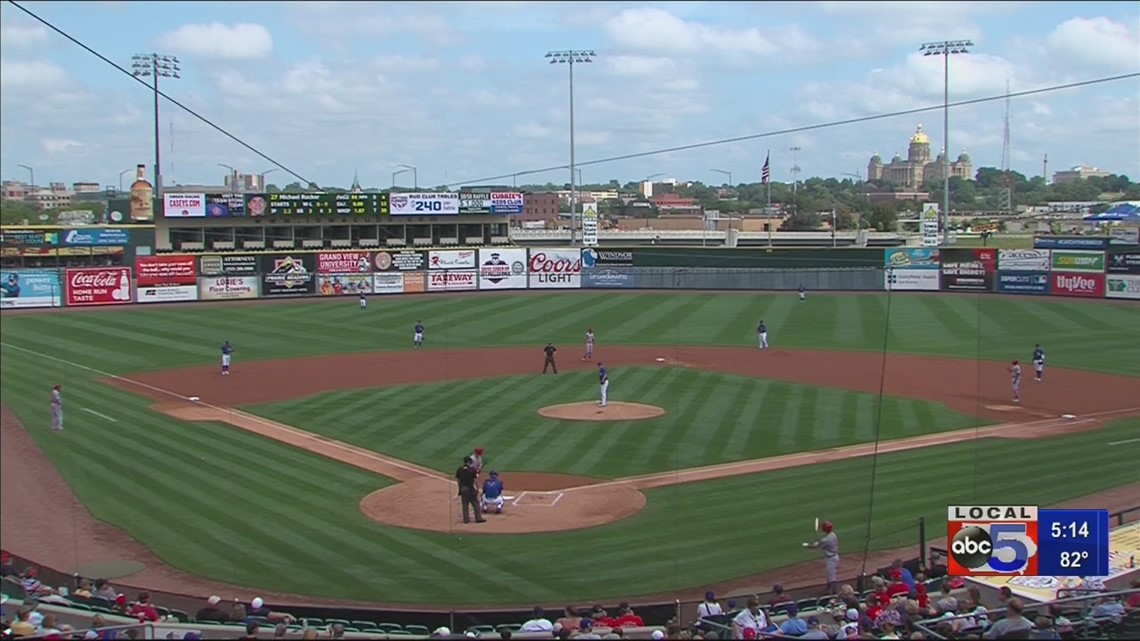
(1068, 417)
(193, 399)
(508, 498)
(660, 360)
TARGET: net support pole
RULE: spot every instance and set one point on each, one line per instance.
(922, 541)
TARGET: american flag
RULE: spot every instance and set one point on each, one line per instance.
(766, 171)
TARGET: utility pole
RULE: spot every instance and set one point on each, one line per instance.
(1007, 176)
(945, 48)
(156, 66)
(1045, 169)
(795, 168)
(570, 58)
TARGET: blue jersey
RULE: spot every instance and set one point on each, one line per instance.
(603, 376)
(227, 349)
(419, 328)
(1038, 355)
(762, 329)
(492, 488)
(801, 289)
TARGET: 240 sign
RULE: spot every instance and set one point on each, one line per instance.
(424, 204)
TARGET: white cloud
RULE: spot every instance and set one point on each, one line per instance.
(242, 41)
(472, 62)
(341, 24)
(656, 30)
(495, 99)
(59, 146)
(18, 36)
(406, 64)
(640, 65)
(531, 130)
(1097, 43)
(31, 74)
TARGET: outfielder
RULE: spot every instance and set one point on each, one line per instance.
(363, 302)
(1015, 380)
(418, 339)
(493, 494)
(227, 355)
(803, 294)
(589, 345)
(57, 408)
(603, 384)
(1038, 363)
(829, 544)
(762, 331)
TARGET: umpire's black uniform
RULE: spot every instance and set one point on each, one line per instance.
(469, 496)
(549, 363)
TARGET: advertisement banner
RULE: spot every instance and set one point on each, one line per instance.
(388, 283)
(229, 287)
(506, 202)
(452, 259)
(400, 261)
(27, 288)
(1079, 284)
(1124, 262)
(95, 238)
(184, 205)
(1078, 261)
(911, 280)
(175, 294)
(590, 225)
(1024, 260)
(213, 265)
(595, 258)
(157, 271)
(27, 238)
(288, 275)
(969, 270)
(344, 284)
(225, 206)
(502, 269)
(92, 286)
(415, 282)
(1122, 286)
(1124, 236)
(344, 263)
(911, 258)
(555, 268)
(474, 202)
(1019, 282)
(453, 281)
(607, 278)
(1091, 243)
(425, 204)
(929, 218)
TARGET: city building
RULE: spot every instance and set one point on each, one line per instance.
(543, 206)
(1079, 172)
(918, 166)
(675, 204)
(238, 181)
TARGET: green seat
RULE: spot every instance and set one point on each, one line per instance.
(182, 616)
(482, 629)
(234, 623)
(402, 633)
(389, 627)
(313, 623)
(80, 606)
(349, 628)
(807, 605)
(102, 610)
(364, 625)
(343, 622)
(418, 630)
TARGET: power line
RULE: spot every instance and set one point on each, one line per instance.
(178, 104)
(794, 130)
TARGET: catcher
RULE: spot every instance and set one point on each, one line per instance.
(493, 494)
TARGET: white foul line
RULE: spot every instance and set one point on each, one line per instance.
(1131, 440)
(100, 415)
(342, 446)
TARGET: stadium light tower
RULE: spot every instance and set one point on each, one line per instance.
(945, 48)
(415, 175)
(570, 58)
(724, 172)
(156, 66)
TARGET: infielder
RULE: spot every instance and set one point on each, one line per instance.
(589, 345)
(803, 294)
(1015, 380)
(549, 362)
(363, 302)
(1038, 363)
(57, 408)
(829, 544)
(227, 355)
(493, 494)
(762, 331)
(603, 384)
(418, 340)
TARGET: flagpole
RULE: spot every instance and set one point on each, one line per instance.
(768, 183)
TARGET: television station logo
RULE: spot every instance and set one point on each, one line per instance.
(994, 540)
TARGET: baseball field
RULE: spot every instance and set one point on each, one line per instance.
(321, 467)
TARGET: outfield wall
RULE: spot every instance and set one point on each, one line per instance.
(1112, 273)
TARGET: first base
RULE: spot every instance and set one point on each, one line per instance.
(193, 399)
(1068, 417)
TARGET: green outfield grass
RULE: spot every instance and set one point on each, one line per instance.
(219, 502)
(711, 418)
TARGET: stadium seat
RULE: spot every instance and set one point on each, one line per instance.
(807, 605)
(80, 606)
(483, 629)
(313, 623)
(364, 625)
(389, 627)
(182, 617)
(403, 633)
(343, 622)
(417, 630)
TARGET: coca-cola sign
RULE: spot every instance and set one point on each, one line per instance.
(91, 286)
(1074, 284)
(555, 269)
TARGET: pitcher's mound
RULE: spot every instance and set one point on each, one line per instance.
(589, 411)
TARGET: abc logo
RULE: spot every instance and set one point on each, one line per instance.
(972, 547)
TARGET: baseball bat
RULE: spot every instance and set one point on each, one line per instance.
(815, 528)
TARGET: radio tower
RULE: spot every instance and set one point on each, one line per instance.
(1007, 177)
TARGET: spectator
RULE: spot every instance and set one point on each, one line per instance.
(793, 626)
(814, 631)
(850, 625)
(778, 596)
(537, 622)
(1134, 598)
(570, 618)
(601, 618)
(83, 589)
(945, 629)
(49, 627)
(212, 613)
(260, 610)
(897, 586)
(1108, 608)
(627, 619)
(22, 627)
(237, 613)
(888, 629)
(309, 634)
(1043, 629)
(879, 589)
(6, 568)
(103, 590)
(280, 630)
(709, 607)
(144, 610)
(750, 618)
(251, 630)
(613, 635)
(873, 608)
(1004, 595)
(946, 602)
(938, 567)
(35, 617)
(336, 631)
(505, 634)
(32, 584)
(907, 577)
(586, 632)
(1013, 621)
(919, 593)
(120, 606)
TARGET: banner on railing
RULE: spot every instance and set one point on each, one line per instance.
(555, 268)
(502, 268)
(1124, 262)
(593, 258)
(344, 263)
(456, 280)
(228, 265)
(388, 283)
(452, 259)
(96, 286)
(288, 275)
(911, 258)
(167, 294)
(415, 282)
(160, 271)
(344, 284)
(1022, 282)
(969, 270)
(229, 287)
(911, 280)
(28, 288)
(1024, 260)
(1077, 284)
(607, 278)
(1065, 260)
(1122, 286)
(1070, 242)
(400, 261)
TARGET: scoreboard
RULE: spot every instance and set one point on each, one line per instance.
(291, 204)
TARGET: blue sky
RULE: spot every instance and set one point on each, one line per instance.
(461, 90)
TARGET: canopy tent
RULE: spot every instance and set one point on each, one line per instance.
(1120, 212)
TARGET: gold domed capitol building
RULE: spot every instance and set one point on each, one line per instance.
(918, 167)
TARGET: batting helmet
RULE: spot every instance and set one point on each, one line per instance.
(494, 474)
(826, 526)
